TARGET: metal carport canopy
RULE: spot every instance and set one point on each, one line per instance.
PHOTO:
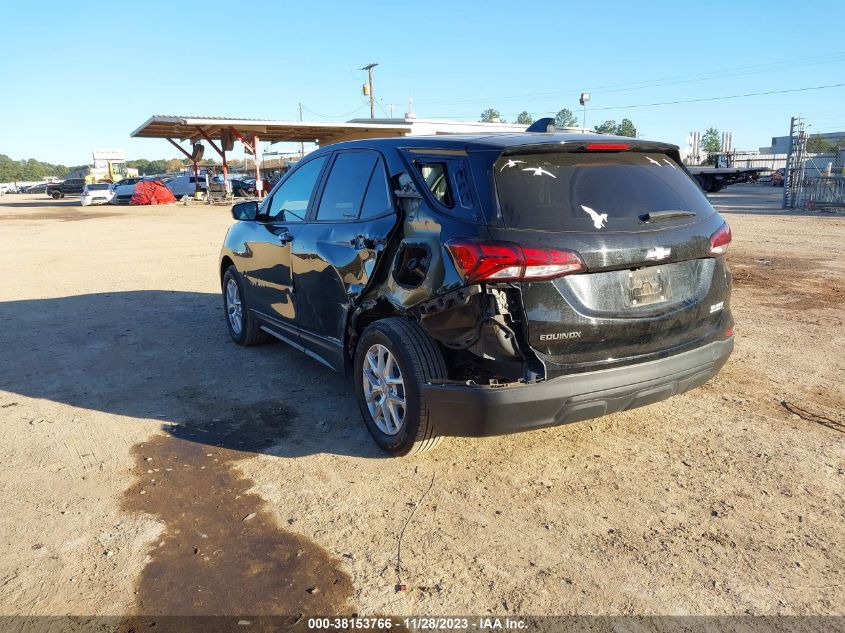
(187, 128)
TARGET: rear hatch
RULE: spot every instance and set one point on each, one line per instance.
(650, 285)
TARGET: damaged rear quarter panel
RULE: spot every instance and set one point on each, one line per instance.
(423, 226)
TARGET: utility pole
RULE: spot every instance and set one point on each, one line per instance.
(391, 107)
(369, 69)
(301, 144)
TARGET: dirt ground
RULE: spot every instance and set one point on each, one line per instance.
(150, 466)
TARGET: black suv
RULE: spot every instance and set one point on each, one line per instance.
(69, 187)
(479, 285)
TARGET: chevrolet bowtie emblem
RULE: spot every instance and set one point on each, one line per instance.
(658, 252)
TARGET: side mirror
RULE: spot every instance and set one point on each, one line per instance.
(246, 211)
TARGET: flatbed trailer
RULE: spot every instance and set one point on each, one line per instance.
(713, 179)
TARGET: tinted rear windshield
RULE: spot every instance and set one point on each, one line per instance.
(98, 187)
(591, 191)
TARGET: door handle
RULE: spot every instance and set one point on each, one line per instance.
(285, 237)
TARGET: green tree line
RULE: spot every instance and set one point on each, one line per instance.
(29, 169)
(166, 165)
(563, 119)
(12, 170)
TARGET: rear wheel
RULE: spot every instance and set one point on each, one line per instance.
(242, 325)
(393, 360)
(56, 195)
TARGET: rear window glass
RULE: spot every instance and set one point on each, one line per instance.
(590, 191)
(98, 187)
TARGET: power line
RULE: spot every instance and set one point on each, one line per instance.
(679, 101)
(336, 116)
(826, 58)
(739, 96)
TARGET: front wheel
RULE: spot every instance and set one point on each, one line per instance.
(393, 360)
(242, 325)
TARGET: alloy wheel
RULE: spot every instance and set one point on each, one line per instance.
(233, 306)
(384, 389)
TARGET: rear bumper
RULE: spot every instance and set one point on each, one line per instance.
(482, 410)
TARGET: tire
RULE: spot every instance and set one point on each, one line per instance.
(249, 333)
(419, 361)
(56, 194)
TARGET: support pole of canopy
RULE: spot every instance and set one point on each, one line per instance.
(259, 183)
(222, 153)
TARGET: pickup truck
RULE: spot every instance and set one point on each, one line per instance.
(69, 187)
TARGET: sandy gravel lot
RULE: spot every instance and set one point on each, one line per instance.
(148, 465)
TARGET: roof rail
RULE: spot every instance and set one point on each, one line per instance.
(543, 126)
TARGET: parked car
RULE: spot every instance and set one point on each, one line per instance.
(97, 193)
(241, 188)
(186, 185)
(69, 187)
(39, 188)
(123, 190)
(479, 285)
(777, 178)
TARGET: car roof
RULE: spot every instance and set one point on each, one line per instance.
(500, 141)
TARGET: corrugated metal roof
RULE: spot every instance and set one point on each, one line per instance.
(181, 127)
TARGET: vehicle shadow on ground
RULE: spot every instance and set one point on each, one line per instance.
(46, 202)
(168, 356)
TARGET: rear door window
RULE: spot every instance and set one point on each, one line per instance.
(377, 200)
(346, 185)
(579, 191)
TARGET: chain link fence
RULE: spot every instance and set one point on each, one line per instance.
(824, 192)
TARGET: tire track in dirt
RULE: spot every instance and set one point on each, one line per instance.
(791, 283)
(222, 552)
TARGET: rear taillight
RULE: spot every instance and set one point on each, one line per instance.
(720, 240)
(506, 261)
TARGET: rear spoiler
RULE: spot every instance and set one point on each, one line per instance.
(608, 143)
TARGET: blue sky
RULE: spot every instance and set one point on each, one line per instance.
(83, 75)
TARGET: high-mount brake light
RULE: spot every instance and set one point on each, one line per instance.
(607, 147)
(506, 261)
(720, 240)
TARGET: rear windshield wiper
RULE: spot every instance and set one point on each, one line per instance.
(660, 216)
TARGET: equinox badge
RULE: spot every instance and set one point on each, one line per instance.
(560, 336)
(658, 252)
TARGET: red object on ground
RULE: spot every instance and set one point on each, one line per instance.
(152, 192)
